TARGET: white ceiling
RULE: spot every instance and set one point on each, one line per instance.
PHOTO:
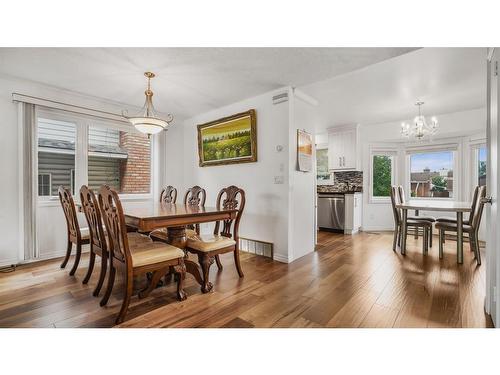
(447, 79)
(189, 80)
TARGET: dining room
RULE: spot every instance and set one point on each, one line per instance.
(228, 187)
(169, 215)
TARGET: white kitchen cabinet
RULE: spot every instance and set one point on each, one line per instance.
(353, 212)
(342, 148)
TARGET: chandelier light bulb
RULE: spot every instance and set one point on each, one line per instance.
(420, 127)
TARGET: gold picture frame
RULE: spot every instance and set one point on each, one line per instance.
(228, 140)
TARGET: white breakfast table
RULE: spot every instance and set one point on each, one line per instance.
(440, 206)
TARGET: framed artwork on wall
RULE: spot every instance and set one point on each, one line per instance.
(304, 151)
(229, 140)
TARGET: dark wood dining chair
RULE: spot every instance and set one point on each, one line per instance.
(223, 240)
(412, 223)
(76, 235)
(168, 194)
(138, 259)
(195, 196)
(431, 219)
(471, 228)
(98, 239)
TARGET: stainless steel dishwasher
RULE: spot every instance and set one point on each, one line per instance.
(331, 211)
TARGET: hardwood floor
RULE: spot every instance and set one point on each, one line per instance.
(350, 281)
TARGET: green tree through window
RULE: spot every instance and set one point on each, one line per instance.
(382, 175)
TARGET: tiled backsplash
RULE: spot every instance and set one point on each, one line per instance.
(351, 177)
(344, 181)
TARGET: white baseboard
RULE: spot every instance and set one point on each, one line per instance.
(281, 258)
(8, 262)
(374, 228)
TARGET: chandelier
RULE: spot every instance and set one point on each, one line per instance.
(148, 121)
(420, 128)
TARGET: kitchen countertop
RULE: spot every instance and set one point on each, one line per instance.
(332, 189)
(337, 192)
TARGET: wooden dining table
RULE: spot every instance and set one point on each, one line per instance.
(439, 206)
(175, 217)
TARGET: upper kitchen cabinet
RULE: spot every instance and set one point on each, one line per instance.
(343, 148)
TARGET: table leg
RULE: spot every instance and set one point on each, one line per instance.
(460, 238)
(176, 236)
(404, 228)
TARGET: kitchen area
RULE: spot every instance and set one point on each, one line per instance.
(339, 181)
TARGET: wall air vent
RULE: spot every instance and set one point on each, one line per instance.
(256, 247)
(280, 98)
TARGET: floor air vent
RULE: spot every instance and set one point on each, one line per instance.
(256, 247)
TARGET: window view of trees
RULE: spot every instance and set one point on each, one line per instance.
(431, 174)
(382, 175)
(481, 166)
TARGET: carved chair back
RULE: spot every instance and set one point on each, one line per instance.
(195, 196)
(396, 199)
(68, 206)
(230, 198)
(168, 194)
(92, 211)
(114, 220)
(478, 208)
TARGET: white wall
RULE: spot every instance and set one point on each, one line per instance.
(53, 226)
(266, 211)
(302, 186)
(268, 214)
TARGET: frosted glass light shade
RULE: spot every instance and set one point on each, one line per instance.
(148, 125)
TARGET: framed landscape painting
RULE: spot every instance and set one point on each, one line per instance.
(228, 140)
(304, 151)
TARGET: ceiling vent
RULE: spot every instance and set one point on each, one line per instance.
(280, 98)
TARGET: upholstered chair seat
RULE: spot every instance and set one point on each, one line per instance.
(452, 227)
(209, 242)
(154, 252)
(425, 218)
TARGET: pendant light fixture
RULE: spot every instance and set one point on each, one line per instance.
(420, 127)
(148, 121)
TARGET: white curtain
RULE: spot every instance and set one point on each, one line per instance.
(28, 178)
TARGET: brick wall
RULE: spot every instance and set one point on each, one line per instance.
(135, 172)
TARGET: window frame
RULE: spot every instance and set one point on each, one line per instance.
(391, 152)
(475, 149)
(323, 146)
(455, 148)
(83, 123)
(50, 183)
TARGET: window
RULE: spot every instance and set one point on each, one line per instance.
(44, 184)
(431, 174)
(56, 155)
(481, 166)
(323, 175)
(119, 159)
(382, 176)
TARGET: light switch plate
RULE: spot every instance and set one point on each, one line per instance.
(279, 180)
